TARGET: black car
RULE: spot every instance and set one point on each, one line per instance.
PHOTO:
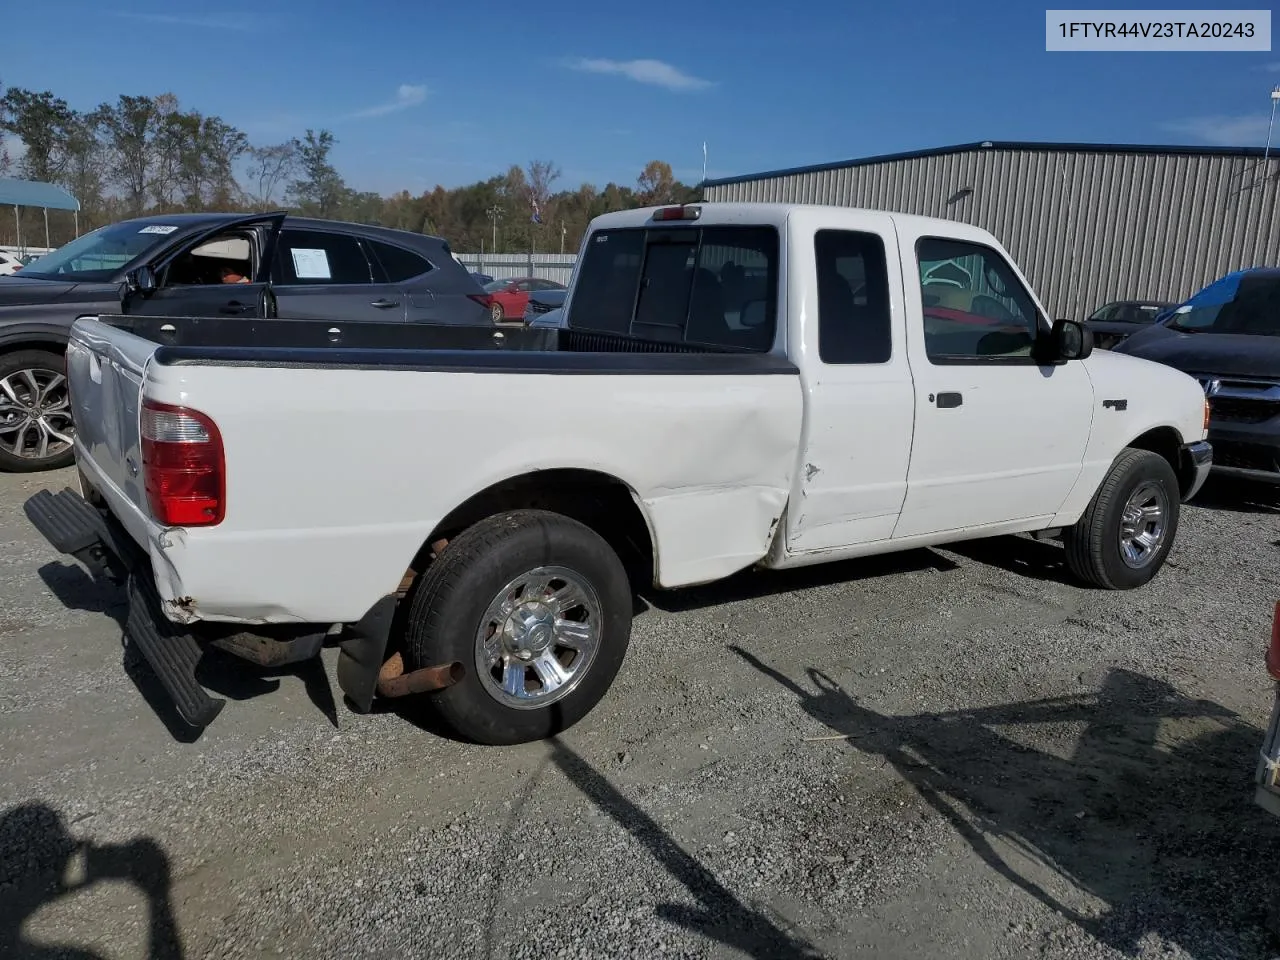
(1113, 323)
(1227, 336)
(206, 264)
(542, 302)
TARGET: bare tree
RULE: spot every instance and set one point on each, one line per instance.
(270, 168)
(542, 174)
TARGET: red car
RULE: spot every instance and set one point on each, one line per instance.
(507, 297)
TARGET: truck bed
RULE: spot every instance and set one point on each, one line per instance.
(229, 341)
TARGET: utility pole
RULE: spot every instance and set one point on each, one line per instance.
(1266, 154)
(563, 231)
(495, 213)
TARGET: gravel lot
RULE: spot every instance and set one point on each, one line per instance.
(1009, 766)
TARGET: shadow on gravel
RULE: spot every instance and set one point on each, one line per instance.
(720, 915)
(1023, 556)
(41, 863)
(757, 584)
(1157, 823)
(222, 673)
(1239, 496)
(76, 590)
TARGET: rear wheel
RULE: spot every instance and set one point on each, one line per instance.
(537, 608)
(497, 313)
(35, 412)
(1126, 533)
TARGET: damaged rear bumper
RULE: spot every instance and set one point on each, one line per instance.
(174, 651)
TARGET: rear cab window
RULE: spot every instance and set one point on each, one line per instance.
(707, 286)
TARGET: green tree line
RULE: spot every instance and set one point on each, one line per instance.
(147, 155)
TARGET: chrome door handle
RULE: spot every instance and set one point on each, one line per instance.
(385, 304)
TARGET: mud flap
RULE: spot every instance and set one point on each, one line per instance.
(361, 655)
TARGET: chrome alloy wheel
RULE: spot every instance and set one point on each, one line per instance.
(538, 638)
(1143, 524)
(35, 414)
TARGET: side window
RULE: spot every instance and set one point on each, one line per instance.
(313, 257)
(398, 264)
(853, 298)
(224, 258)
(975, 309)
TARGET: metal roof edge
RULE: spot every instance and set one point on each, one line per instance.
(1174, 149)
(34, 193)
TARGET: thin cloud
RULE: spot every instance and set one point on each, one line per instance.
(1223, 131)
(1270, 67)
(234, 21)
(653, 72)
(407, 95)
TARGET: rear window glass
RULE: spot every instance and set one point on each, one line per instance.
(714, 286)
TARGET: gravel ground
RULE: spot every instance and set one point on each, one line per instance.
(951, 753)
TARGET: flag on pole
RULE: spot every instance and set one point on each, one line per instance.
(537, 214)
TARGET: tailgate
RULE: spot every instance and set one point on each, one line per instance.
(104, 367)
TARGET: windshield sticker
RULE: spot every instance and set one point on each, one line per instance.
(311, 264)
(158, 228)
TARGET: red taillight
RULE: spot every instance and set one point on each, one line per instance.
(1273, 653)
(183, 466)
(677, 213)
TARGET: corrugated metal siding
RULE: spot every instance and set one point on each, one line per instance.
(1085, 227)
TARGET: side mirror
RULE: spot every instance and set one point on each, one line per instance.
(142, 280)
(1071, 339)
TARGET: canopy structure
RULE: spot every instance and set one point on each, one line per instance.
(33, 193)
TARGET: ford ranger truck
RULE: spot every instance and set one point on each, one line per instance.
(735, 386)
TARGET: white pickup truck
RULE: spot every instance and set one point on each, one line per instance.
(736, 386)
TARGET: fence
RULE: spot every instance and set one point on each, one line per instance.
(24, 250)
(548, 266)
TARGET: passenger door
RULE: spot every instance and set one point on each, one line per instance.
(188, 281)
(327, 275)
(859, 400)
(999, 437)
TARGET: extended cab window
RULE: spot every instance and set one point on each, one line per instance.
(975, 310)
(315, 257)
(853, 298)
(715, 286)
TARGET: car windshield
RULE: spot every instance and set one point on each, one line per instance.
(98, 256)
(1239, 303)
(493, 286)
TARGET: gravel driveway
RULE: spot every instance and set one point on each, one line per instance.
(950, 753)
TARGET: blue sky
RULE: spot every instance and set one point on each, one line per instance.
(425, 93)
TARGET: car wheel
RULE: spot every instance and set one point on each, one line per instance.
(497, 313)
(537, 608)
(1128, 529)
(36, 429)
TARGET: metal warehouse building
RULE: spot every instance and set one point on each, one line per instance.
(1087, 223)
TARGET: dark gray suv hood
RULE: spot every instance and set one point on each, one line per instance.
(18, 290)
(1224, 354)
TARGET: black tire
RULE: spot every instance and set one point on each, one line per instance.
(33, 360)
(451, 598)
(497, 313)
(1093, 545)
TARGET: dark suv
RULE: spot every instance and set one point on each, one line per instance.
(215, 264)
(1227, 336)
